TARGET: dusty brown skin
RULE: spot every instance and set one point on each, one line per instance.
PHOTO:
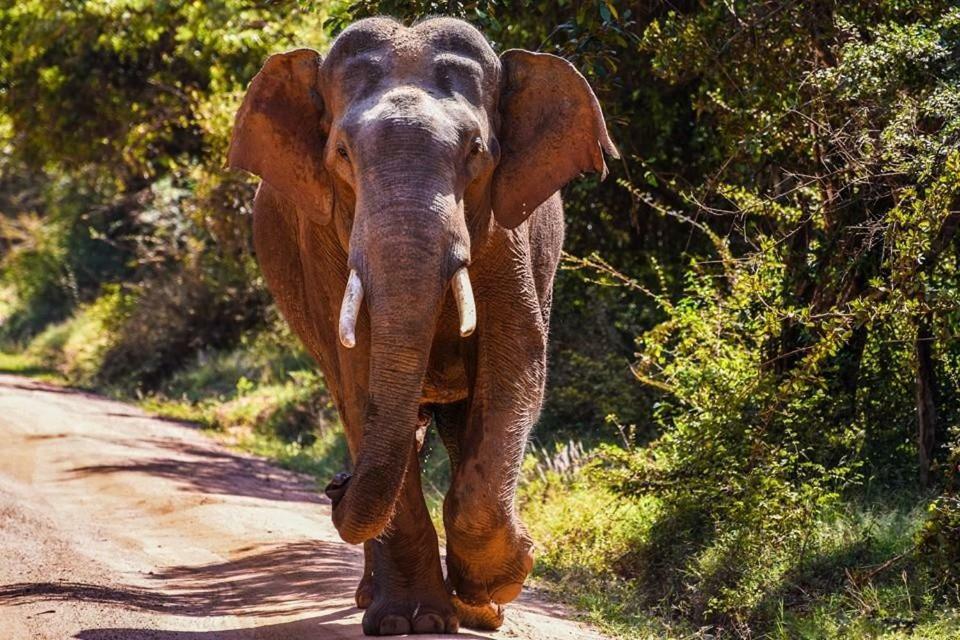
(405, 155)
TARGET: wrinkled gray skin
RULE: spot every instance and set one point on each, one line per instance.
(406, 154)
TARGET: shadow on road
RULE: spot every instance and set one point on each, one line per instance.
(283, 580)
(319, 628)
(208, 470)
(309, 628)
(38, 386)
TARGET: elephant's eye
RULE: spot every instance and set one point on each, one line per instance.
(476, 146)
(342, 152)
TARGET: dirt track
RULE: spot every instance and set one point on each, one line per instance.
(115, 525)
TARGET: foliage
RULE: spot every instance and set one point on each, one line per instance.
(841, 203)
(118, 115)
(748, 456)
(939, 540)
(130, 84)
(753, 352)
(294, 412)
(77, 347)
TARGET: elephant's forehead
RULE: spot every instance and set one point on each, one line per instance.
(385, 39)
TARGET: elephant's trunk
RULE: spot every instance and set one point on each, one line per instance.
(404, 277)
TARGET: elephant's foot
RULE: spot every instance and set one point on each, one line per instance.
(482, 617)
(406, 584)
(412, 613)
(491, 573)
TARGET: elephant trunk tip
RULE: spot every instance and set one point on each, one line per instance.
(356, 517)
(351, 531)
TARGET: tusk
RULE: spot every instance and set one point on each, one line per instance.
(463, 292)
(349, 309)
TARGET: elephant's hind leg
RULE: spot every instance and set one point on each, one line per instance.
(409, 595)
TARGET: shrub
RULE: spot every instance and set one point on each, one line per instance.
(295, 411)
(939, 541)
(33, 269)
(77, 346)
(176, 315)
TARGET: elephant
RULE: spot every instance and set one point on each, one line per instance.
(409, 225)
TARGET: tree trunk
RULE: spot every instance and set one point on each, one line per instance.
(926, 400)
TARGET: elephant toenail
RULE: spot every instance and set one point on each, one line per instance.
(394, 626)
(506, 593)
(428, 623)
(453, 624)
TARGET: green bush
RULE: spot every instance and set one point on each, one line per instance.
(77, 347)
(939, 541)
(268, 356)
(177, 315)
(33, 269)
(295, 411)
(749, 456)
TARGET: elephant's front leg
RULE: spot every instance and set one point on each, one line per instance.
(409, 595)
(402, 587)
(364, 593)
(489, 552)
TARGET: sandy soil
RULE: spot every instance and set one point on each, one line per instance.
(115, 525)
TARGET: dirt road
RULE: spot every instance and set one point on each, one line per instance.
(115, 525)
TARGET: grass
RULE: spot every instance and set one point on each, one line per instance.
(324, 457)
(23, 364)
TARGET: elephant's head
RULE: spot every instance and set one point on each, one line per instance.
(407, 139)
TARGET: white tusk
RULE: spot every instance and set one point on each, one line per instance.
(463, 292)
(349, 309)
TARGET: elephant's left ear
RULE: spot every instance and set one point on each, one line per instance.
(551, 131)
(278, 136)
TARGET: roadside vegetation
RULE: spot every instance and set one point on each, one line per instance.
(753, 421)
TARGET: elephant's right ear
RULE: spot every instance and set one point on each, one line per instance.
(551, 130)
(278, 136)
